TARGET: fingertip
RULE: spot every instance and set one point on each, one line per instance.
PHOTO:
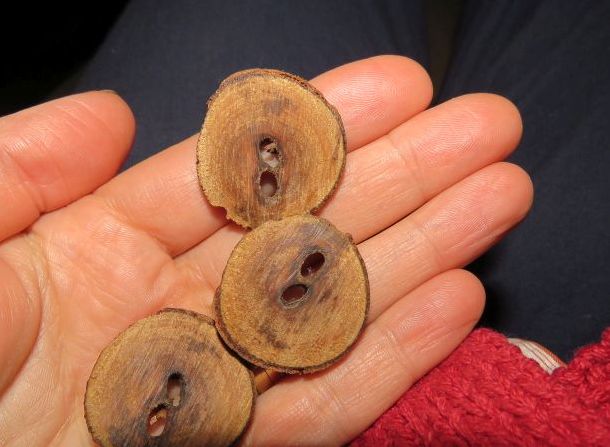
(100, 127)
(455, 297)
(56, 152)
(115, 115)
(93, 133)
(513, 185)
(470, 293)
(508, 113)
(432, 320)
(410, 76)
(499, 116)
(375, 95)
(511, 110)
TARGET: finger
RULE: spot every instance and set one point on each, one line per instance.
(162, 195)
(375, 95)
(415, 334)
(389, 178)
(54, 153)
(448, 232)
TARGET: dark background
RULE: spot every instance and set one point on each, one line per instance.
(46, 48)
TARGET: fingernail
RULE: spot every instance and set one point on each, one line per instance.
(109, 91)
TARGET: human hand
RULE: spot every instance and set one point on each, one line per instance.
(85, 254)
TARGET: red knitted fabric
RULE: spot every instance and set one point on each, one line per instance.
(488, 393)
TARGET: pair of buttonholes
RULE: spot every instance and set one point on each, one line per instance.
(157, 419)
(269, 153)
(293, 295)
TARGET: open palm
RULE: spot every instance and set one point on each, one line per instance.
(84, 254)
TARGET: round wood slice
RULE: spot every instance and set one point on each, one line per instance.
(271, 146)
(294, 295)
(168, 380)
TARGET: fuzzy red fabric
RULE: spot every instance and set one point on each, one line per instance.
(488, 393)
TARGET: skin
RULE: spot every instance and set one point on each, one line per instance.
(84, 252)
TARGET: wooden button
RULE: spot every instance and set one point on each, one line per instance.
(271, 146)
(294, 295)
(168, 381)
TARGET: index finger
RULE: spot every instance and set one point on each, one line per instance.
(55, 153)
(162, 195)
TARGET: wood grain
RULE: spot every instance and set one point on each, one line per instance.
(270, 147)
(294, 334)
(211, 399)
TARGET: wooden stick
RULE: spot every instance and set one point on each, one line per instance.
(265, 379)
